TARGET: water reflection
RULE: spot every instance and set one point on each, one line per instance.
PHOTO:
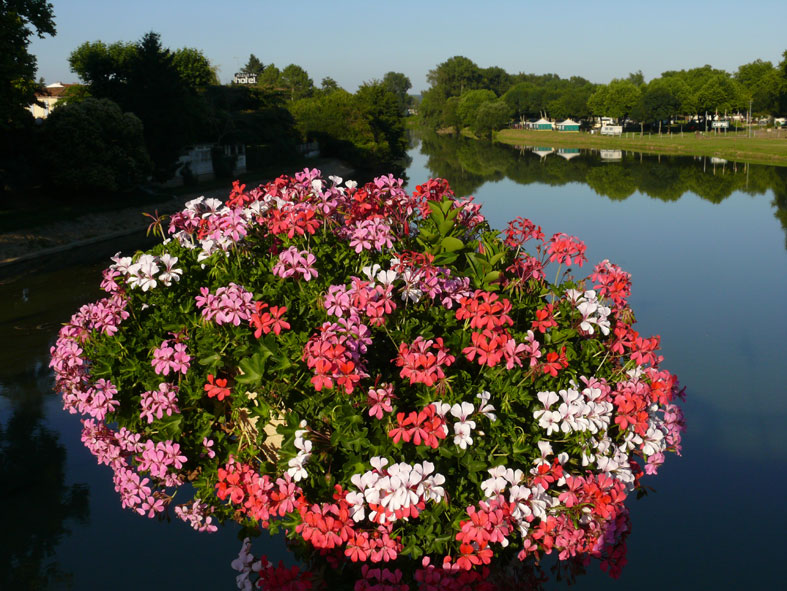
(469, 164)
(708, 263)
(709, 279)
(36, 504)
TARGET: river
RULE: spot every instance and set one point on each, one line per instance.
(705, 243)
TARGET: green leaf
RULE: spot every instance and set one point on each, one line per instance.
(171, 425)
(445, 227)
(210, 359)
(253, 367)
(450, 244)
(426, 235)
(437, 213)
(281, 363)
(493, 261)
(491, 276)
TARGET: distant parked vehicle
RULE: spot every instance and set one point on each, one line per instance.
(611, 130)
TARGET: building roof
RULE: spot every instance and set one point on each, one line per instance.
(56, 89)
(568, 122)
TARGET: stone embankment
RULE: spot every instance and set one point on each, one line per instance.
(33, 244)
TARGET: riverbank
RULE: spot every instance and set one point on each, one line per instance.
(764, 148)
(27, 244)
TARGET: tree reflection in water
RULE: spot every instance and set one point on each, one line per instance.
(468, 164)
(35, 502)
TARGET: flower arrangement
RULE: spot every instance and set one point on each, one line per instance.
(376, 372)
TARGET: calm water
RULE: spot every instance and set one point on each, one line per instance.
(705, 243)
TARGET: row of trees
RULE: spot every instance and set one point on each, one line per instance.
(759, 85)
(461, 94)
(366, 127)
(141, 104)
(296, 82)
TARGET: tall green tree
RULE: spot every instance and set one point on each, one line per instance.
(496, 79)
(398, 84)
(380, 107)
(782, 71)
(657, 102)
(103, 68)
(522, 99)
(19, 20)
(490, 116)
(637, 78)
(720, 92)
(328, 85)
(253, 66)
(450, 116)
(159, 96)
(455, 76)
(430, 109)
(762, 83)
(297, 82)
(194, 68)
(469, 103)
(270, 77)
(616, 99)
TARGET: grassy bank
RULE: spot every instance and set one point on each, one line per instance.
(764, 148)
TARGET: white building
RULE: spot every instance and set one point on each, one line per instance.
(47, 98)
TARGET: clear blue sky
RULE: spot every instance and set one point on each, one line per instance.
(354, 41)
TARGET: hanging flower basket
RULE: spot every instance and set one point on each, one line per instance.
(376, 372)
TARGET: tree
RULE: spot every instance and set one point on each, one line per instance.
(719, 93)
(380, 108)
(103, 68)
(491, 116)
(572, 100)
(522, 99)
(398, 84)
(782, 70)
(157, 94)
(17, 66)
(450, 117)
(657, 102)
(194, 68)
(496, 79)
(616, 99)
(636, 78)
(430, 110)
(297, 82)
(328, 85)
(365, 128)
(454, 76)
(469, 103)
(93, 146)
(270, 77)
(761, 82)
(253, 66)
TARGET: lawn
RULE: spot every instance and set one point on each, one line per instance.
(765, 148)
